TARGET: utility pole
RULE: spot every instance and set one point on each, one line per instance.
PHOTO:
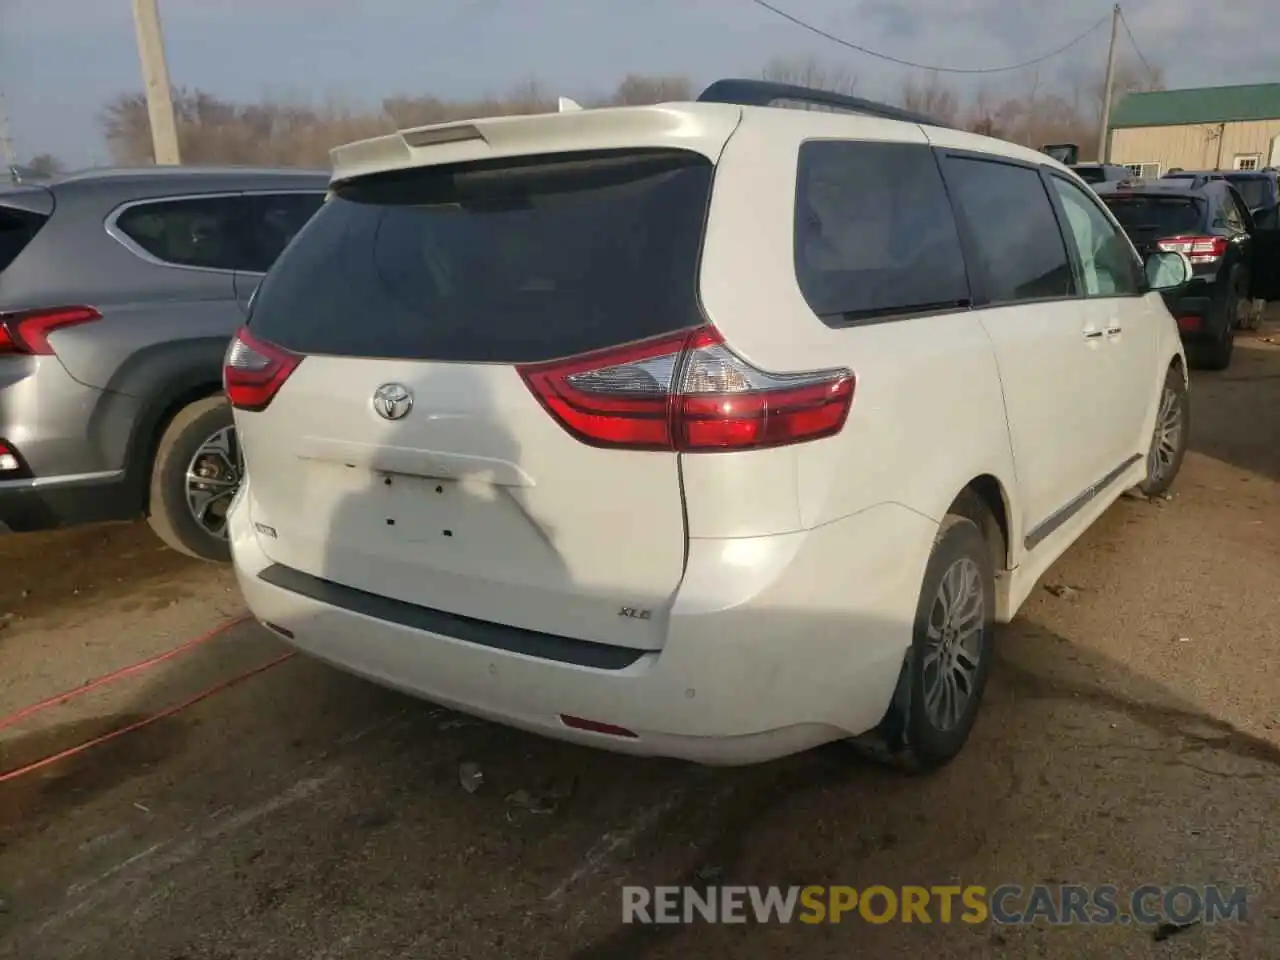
(6, 143)
(1104, 140)
(155, 75)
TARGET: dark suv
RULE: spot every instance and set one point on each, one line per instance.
(119, 292)
(1206, 219)
(1260, 190)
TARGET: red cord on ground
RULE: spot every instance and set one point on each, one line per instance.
(120, 674)
(145, 721)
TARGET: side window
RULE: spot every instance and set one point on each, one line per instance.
(1233, 212)
(1222, 211)
(874, 233)
(1014, 230)
(1108, 265)
(276, 219)
(207, 232)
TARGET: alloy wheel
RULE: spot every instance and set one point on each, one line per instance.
(955, 644)
(213, 477)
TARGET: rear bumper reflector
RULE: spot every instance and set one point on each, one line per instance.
(594, 726)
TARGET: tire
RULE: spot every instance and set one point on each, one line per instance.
(1253, 314)
(1170, 435)
(1216, 355)
(169, 512)
(911, 735)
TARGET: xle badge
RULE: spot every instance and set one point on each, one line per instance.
(634, 613)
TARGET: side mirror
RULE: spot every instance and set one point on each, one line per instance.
(1168, 270)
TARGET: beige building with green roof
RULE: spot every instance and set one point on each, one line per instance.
(1211, 128)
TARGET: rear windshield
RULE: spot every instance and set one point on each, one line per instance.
(17, 227)
(506, 262)
(1256, 191)
(1158, 216)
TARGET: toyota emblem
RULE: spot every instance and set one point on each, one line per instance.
(392, 401)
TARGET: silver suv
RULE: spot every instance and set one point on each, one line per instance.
(119, 290)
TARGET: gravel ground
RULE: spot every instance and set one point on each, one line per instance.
(1131, 735)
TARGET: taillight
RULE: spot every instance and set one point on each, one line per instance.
(9, 462)
(688, 392)
(27, 331)
(1197, 249)
(255, 370)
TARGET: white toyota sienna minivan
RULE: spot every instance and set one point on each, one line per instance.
(714, 430)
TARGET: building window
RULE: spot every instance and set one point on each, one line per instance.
(1147, 171)
(1248, 161)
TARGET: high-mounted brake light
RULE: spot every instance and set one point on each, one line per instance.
(1198, 249)
(690, 393)
(27, 331)
(255, 370)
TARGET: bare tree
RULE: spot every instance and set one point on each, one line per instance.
(1130, 77)
(981, 114)
(45, 164)
(638, 89)
(930, 97)
(296, 133)
(809, 72)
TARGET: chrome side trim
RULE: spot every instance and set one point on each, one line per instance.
(1055, 520)
(65, 480)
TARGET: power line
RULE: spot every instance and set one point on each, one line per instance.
(1151, 71)
(924, 66)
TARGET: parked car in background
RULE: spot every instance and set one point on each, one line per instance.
(119, 291)
(1206, 219)
(690, 430)
(1100, 172)
(1260, 190)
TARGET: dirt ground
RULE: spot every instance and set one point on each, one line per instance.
(1131, 735)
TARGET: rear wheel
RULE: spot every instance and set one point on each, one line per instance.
(195, 475)
(945, 672)
(1169, 439)
(1216, 354)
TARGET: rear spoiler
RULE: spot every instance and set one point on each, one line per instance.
(692, 126)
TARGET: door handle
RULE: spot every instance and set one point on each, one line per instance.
(1093, 334)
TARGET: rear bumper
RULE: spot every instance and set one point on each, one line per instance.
(49, 502)
(1194, 314)
(71, 442)
(774, 644)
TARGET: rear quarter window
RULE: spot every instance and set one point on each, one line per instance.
(874, 232)
(510, 261)
(17, 229)
(204, 232)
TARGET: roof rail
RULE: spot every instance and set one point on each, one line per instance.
(766, 93)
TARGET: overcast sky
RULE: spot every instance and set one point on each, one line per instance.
(60, 60)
